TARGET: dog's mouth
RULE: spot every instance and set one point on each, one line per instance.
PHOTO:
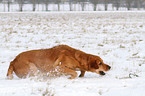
(101, 73)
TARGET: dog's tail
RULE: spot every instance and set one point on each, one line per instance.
(10, 71)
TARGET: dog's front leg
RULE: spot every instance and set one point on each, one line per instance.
(67, 71)
(82, 74)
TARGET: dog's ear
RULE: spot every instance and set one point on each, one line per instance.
(98, 62)
(93, 63)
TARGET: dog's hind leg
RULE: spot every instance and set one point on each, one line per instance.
(58, 61)
(33, 70)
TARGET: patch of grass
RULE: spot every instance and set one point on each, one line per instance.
(48, 92)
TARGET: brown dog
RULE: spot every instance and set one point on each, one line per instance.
(59, 59)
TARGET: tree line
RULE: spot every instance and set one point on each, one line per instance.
(115, 3)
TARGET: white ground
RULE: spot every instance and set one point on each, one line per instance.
(117, 37)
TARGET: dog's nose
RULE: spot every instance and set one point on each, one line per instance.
(109, 67)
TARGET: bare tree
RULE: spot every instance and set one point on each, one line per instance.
(75, 2)
(46, 4)
(83, 4)
(58, 3)
(42, 3)
(117, 3)
(21, 3)
(143, 4)
(70, 4)
(139, 4)
(106, 2)
(34, 5)
(94, 2)
(8, 5)
(128, 3)
(38, 2)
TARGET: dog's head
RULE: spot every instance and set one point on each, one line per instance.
(97, 65)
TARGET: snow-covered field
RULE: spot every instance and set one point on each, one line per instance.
(117, 37)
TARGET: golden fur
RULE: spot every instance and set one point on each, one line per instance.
(59, 59)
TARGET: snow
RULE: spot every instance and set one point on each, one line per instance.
(117, 37)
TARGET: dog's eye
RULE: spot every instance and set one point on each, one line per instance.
(100, 64)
